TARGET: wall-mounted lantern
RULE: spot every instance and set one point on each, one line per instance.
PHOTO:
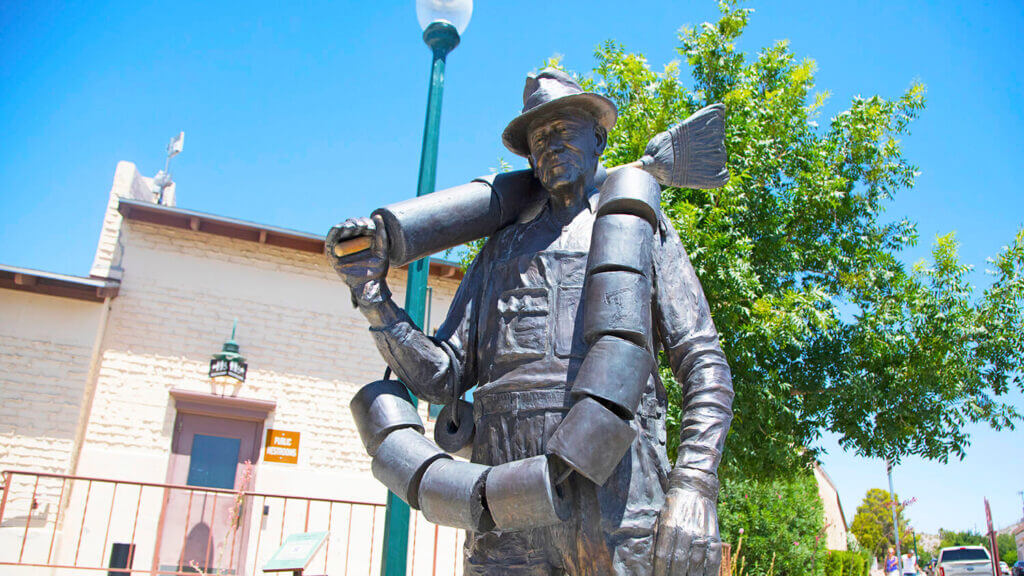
(228, 362)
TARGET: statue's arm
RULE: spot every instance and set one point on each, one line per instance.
(424, 364)
(690, 341)
(687, 539)
(421, 362)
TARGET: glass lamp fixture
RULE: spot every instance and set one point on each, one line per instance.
(454, 12)
(228, 364)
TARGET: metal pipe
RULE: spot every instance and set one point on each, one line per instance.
(110, 516)
(8, 478)
(28, 520)
(90, 385)
(81, 527)
(56, 520)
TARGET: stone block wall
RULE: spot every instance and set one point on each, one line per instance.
(45, 349)
(308, 350)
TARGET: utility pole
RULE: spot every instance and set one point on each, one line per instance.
(993, 541)
(895, 514)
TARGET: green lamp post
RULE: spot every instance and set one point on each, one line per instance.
(443, 21)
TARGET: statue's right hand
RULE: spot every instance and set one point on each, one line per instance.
(365, 266)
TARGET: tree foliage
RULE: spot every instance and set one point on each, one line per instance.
(823, 325)
(873, 523)
(782, 523)
(1005, 542)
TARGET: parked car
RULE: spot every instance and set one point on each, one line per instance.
(964, 561)
(1018, 568)
(1004, 569)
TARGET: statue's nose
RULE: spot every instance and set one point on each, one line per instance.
(556, 145)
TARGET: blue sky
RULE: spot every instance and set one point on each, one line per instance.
(302, 114)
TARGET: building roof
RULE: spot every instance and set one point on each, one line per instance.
(62, 285)
(141, 211)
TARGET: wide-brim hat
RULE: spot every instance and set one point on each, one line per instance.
(546, 92)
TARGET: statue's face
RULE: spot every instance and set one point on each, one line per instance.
(564, 149)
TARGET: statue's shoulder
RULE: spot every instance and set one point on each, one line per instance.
(520, 195)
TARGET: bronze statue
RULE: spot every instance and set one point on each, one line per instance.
(556, 324)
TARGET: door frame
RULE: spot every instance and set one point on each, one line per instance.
(225, 407)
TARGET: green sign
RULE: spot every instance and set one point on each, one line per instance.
(296, 552)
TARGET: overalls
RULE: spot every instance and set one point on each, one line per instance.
(530, 349)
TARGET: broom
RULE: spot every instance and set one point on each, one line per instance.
(690, 154)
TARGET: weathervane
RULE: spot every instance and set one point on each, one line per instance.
(163, 178)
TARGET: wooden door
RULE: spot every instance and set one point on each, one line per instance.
(199, 528)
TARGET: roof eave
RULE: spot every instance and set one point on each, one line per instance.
(59, 285)
(174, 217)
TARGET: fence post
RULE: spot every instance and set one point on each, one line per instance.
(3, 500)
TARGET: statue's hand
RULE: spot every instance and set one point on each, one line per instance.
(687, 541)
(363, 271)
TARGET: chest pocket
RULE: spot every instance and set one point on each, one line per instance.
(568, 325)
(522, 324)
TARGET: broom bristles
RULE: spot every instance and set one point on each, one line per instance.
(691, 154)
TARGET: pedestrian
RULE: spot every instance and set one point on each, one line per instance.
(892, 563)
(910, 564)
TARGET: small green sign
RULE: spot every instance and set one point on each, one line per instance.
(296, 552)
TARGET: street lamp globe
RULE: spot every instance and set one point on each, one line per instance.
(454, 12)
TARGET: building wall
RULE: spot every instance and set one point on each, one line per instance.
(45, 348)
(1018, 537)
(46, 345)
(307, 349)
(835, 524)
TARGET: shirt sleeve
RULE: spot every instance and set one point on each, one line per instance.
(690, 340)
(440, 368)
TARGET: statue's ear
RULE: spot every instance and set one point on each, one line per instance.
(602, 138)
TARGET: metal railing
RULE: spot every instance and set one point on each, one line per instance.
(62, 524)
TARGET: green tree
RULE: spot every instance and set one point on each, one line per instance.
(948, 538)
(782, 520)
(824, 326)
(1007, 548)
(796, 238)
(872, 525)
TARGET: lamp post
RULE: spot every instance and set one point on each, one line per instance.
(443, 21)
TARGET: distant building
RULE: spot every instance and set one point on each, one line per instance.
(836, 529)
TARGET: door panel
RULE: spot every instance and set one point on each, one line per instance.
(199, 527)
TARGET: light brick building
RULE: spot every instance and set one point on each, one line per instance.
(107, 377)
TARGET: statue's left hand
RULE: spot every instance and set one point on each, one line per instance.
(687, 542)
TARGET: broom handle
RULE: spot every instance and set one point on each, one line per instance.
(352, 245)
(360, 243)
(633, 164)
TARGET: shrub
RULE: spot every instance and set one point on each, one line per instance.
(782, 521)
(833, 564)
